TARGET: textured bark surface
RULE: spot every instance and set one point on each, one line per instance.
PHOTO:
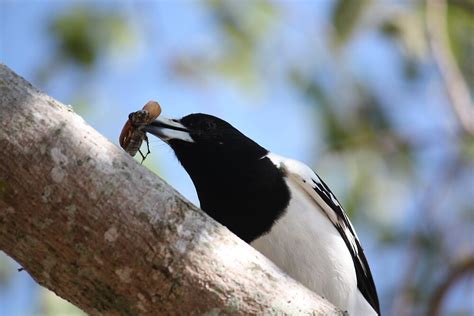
(91, 224)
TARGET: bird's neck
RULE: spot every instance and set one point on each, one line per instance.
(247, 196)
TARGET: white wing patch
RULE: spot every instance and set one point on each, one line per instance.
(317, 189)
(301, 175)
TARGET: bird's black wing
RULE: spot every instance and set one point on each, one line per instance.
(320, 192)
(365, 282)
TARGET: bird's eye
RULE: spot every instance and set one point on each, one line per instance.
(208, 126)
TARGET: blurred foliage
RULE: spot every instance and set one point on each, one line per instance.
(386, 181)
(239, 37)
(345, 17)
(6, 271)
(407, 30)
(461, 30)
(53, 305)
(83, 35)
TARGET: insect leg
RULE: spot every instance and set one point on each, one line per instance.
(147, 149)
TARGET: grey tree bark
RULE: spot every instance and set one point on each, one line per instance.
(92, 225)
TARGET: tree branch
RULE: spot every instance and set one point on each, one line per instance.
(460, 270)
(91, 224)
(455, 85)
(466, 5)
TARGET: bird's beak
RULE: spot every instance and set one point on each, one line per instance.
(167, 129)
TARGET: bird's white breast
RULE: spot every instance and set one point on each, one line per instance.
(305, 244)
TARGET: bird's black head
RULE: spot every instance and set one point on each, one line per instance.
(236, 184)
(205, 138)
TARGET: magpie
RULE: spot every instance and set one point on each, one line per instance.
(277, 205)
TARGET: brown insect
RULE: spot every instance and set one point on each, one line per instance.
(132, 135)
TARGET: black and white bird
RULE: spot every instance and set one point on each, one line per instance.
(278, 205)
